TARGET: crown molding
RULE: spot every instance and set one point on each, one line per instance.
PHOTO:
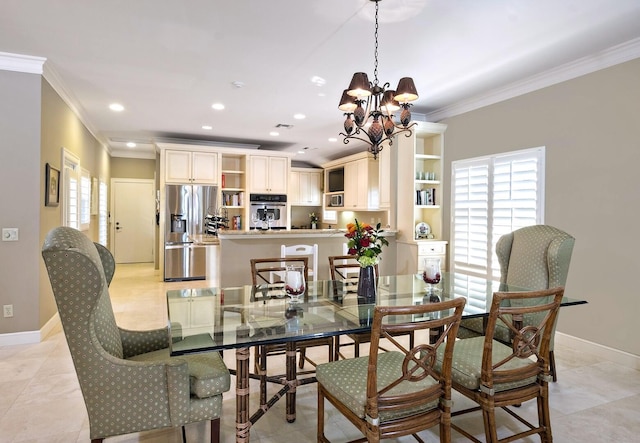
(28, 64)
(51, 76)
(615, 55)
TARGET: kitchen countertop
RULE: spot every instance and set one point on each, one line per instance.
(287, 233)
(205, 239)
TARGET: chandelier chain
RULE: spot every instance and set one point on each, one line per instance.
(375, 55)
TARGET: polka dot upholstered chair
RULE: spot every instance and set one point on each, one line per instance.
(534, 257)
(128, 380)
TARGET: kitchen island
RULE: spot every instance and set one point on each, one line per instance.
(238, 247)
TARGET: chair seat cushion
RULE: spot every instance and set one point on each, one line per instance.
(208, 375)
(467, 363)
(347, 381)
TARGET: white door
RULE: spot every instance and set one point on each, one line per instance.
(133, 220)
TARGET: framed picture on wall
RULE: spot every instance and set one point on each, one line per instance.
(52, 186)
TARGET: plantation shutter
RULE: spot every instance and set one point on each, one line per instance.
(493, 196)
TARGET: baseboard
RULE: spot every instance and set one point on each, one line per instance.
(30, 337)
(605, 352)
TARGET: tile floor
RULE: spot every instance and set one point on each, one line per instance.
(40, 401)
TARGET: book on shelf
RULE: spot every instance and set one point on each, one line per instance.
(426, 197)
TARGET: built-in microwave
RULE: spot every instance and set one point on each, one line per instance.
(336, 200)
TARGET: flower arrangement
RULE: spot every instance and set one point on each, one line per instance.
(365, 242)
(313, 218)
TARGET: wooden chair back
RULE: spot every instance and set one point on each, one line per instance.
(528, 340)
(411, 390)
(271, 270)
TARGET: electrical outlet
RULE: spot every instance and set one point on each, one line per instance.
(7, 311)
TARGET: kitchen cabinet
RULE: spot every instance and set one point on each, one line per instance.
(269, 174)
(385, 181)
(361, 184)
(305, 187)
(194, 314)
(191, 167)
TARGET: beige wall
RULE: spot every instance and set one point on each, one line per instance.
(35, 124)
(21, 178)
(133, 168)
(589, 126)
(61, 128)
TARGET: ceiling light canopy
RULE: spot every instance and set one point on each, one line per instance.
(369, 107)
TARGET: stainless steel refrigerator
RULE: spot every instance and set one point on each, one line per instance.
(185, 212)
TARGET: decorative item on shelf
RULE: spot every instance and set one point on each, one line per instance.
(380, 103)
(423, 230)
(313, 218)
(365, 242)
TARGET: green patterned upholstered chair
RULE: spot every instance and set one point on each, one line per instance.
(398, 392)
(533, 257)
(494, 374)
(128, 380)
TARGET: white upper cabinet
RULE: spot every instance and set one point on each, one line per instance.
(361, 184)
(191, 167)
(305, 187)
(269, 174)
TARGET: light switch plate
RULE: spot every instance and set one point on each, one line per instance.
(9, 234)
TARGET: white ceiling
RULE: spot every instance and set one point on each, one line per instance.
(168, 61)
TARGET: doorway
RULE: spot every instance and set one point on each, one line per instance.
(133, 220)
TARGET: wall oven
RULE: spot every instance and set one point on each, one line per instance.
(268, 211)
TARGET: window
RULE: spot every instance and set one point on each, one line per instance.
(71, 191)
(493, 196)
(102, 214)
(85, 200)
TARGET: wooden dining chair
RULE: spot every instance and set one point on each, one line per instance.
(344, 271)
(398, 392)
(496, 375)
(263, 271)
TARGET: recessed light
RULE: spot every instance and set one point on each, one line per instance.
(131, 145)
(300, 152)
(318, 81)
(207, 127)
(274, 133)
(218, 106)
(333, 139)
(117, 107)
(299, 116)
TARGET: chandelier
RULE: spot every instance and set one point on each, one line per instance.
(369, 107)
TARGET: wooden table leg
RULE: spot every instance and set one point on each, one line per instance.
(291, 381)
(242, 395)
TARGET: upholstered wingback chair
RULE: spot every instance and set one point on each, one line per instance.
(534, 257)
(128, 380)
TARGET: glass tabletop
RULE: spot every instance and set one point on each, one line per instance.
(226, 318)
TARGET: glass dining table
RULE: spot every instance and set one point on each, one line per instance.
(218, 319)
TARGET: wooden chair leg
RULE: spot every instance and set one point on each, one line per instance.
(215, 430)
(303, 356)
(489, 415)
(184, 435)
(320, 430)
(262, 365)
(552, 366)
